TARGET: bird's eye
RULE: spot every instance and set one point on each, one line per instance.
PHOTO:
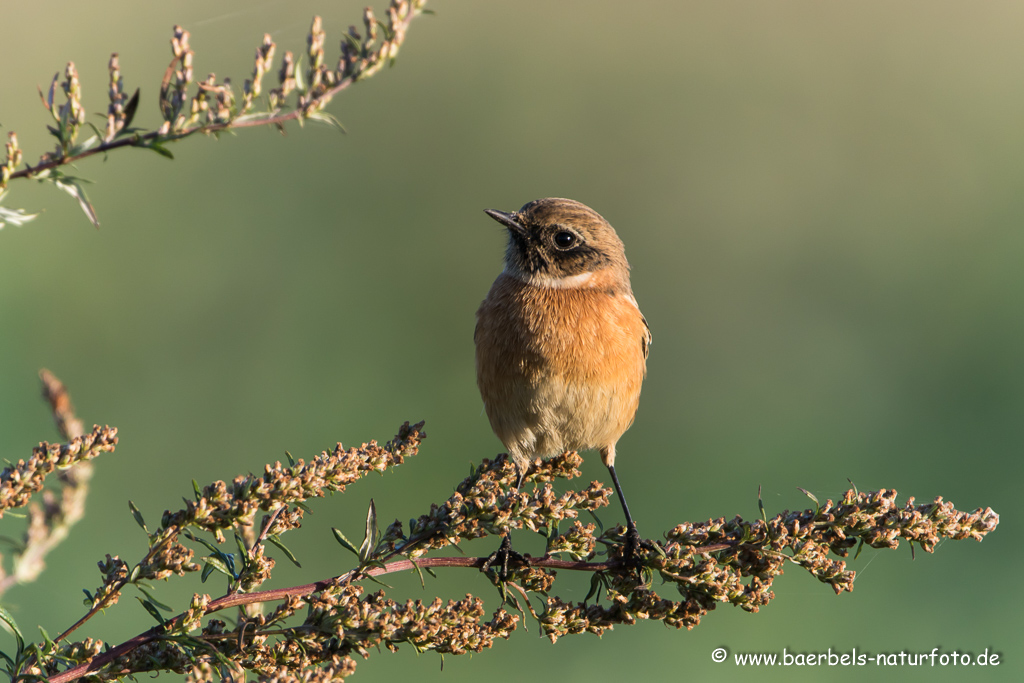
(565, 239)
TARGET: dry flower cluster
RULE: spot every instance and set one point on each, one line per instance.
(50, 523)
(189, 105)
(315, 631)
(19, 481)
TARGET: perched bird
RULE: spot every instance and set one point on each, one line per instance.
(561, 345)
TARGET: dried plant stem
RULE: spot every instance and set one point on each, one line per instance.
(140, 140)
(752, 550)
(113, 595)
(189, 105)
(704, 564)
(50, 523)
(69, 426)
(240, 599)
(250, 121)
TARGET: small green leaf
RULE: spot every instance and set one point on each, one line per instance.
(199, 492)
(808, 494)
(227, 560)
(129, 110)
(192, 537)
(153, 600)
(138, 516)
(376, 580)
(243, 552)
(74, 188)
(370, 537)
(291, 460)
(326, 118)
(12, 626)
(388, 35)
(281, 546)
(62, 126)
(207, 570)
(503, 592)
(86, 145)
(855, 491)
(219, 565)
(47, 641)
(300, 84)
(596, 581)
(345, 543)
(50, 104)
(760, 506)
(156, 147)
(151, 608)
(352, 41)
(10, 662)
(99, 135)
(200, 646)
(817, 506)
(423, 584)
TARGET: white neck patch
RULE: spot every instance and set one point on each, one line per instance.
(571, 282)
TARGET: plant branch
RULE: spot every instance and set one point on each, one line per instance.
(50, 523)
(213, 108)
(687, 559)
(707, 563)
(239, 599)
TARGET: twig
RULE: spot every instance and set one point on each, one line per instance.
(212, 109)
(239, 599)
(50, 523)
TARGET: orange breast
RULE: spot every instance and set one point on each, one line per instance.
(559, 369)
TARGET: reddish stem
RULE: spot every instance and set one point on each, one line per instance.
(237, 599)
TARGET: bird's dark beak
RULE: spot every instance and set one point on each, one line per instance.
(507, 219)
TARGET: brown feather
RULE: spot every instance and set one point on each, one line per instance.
(561, 354)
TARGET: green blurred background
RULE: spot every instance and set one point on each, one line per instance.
(821, 203)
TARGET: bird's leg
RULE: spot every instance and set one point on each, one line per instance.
(504, 554)
(631, 553)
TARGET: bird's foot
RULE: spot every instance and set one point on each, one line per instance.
(632, 557)
(501, 558)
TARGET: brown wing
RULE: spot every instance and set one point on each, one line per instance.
(648, 337)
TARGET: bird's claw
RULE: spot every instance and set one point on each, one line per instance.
(631, 555)
(501, 558)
